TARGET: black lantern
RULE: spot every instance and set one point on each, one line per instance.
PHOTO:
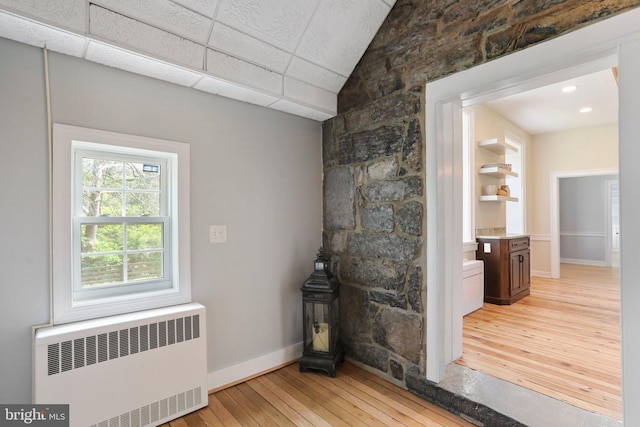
(320, 314)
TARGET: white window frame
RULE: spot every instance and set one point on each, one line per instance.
(70, 303)
(517, 209)
(468, 180)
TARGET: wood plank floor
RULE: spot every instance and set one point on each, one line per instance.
(287, 397)
(563, 340)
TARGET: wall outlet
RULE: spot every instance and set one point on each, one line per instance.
(487, 248)
(217, 234)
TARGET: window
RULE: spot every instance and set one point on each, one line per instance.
(121, 223)
(515, 211)
(468, 169)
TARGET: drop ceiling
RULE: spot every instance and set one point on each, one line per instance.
(548, 109)
(289, 55)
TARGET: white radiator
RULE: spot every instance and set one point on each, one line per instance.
(134, 370)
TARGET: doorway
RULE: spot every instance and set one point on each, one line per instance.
(556, 254)
(593, 48)
(511, 343)
(613, 223)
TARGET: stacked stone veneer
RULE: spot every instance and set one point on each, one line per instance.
(374, 184)
(373, 210)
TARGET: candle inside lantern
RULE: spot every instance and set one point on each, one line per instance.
(321, 337)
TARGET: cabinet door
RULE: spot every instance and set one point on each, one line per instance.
(518, 266)
(525, 270)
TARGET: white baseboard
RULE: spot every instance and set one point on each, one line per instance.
(583, 262)
(540, 273)
(251, 368)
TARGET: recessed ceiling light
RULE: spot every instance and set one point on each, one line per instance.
(586, 109)
(569, 89)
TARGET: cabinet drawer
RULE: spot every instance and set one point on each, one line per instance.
(517, 244)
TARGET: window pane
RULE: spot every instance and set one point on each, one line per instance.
(100, 174)
(101, 203)
(143, 176)
(91, 200)
(102, 238)
(102, 270)
(144, 266)
(143, 204)
(144, 236)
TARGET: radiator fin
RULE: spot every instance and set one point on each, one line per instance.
(102, 348)
(67, 355)
(124, 342)
(91, 350)
(144, 338)
(180, 329)
(125, 420)
(187, 328)
(162, 333)
(113, 345)
(196, 326)
(53, 357)
(155, 411)
(78, 353)
(133, 340)
(153, 336)
(171, 324)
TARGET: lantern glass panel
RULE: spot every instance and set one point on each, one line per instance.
(334, 328)
(318, 327)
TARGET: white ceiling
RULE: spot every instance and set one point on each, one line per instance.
(548, 109)
(289, 55)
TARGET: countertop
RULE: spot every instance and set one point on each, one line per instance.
(503, 236)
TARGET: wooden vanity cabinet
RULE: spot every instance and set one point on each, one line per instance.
(507, 269)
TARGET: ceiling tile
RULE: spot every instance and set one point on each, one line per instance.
(300, 110)
(228, 40)
(204, 7)
(128, 32)
(135, 63)
(70, 14)
(164, 14)
(278, 22)
(310, 95)
(222, 88)
(340, 32)
(246, 54)
(311, 73)
(35, 34)
(235, 70)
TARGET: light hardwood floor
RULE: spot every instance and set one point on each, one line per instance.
(287, 397)
(563, 340)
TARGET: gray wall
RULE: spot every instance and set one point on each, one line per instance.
(583, 208)
(257, 171)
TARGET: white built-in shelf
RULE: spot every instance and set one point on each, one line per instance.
(497, 145)
(498, 199)
(497, 172)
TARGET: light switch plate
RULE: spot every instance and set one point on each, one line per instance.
(217, 234)
(487, 248)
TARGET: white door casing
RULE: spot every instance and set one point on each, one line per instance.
(611, 42)
(554, 211)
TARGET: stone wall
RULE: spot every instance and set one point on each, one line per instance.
(374, 189)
